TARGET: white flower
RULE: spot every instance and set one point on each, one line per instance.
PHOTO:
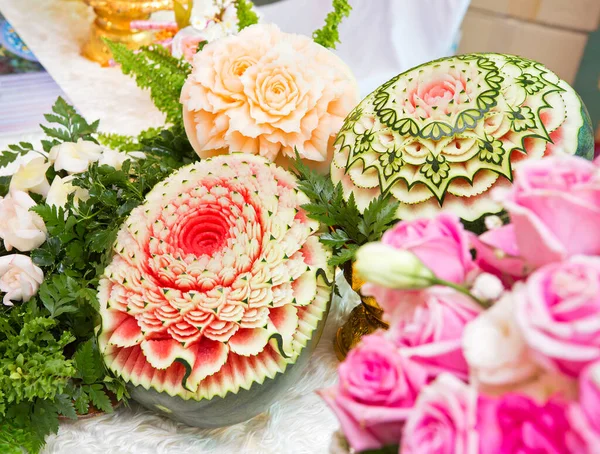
(60, 190)
(20, 279)
(19, 227)
(495, 349)
(389, 267)
(202, 12)
(75, 157)
(487, 287)
(493, 222)
(116, 159)
(31, 176)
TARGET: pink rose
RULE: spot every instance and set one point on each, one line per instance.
(559, 314)
(443, 420)
(498, 254)
(377, 389)
(585, 415)
(441, 243)
(554, 206)
(516, 424)
(185, 43)
(428, 326)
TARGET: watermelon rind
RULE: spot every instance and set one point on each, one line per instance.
(218, 288)
(443, 135)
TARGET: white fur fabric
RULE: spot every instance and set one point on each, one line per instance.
(299, 423)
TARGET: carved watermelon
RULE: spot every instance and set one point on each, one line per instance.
(446, 133)
(217, 286)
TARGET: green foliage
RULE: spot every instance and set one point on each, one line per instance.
(155, 69)
(70, 126)
(49, 359)
(245, 13)
(347, 227)
(16, 150)
(329, 35)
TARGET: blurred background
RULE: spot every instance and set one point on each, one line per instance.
(380, 39)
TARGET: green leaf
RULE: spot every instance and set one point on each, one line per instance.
(65, 406)
(99, 398)
(344, 255)
(89, 362)
(82, 402)
(44, 418)
(336, 238)
(245, 14)
(378, 217)
(329, 34)
(155, 69)
(102, 240)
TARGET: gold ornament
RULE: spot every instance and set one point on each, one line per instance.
(113, 22)
(364, 318)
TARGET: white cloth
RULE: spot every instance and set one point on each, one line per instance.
(381, 38)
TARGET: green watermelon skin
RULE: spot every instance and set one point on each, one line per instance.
(585, 137)
(445, 134)
(233, 408)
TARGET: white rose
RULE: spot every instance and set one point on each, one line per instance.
(30, 176)
(495, 349)
(202, 12)
(487, 287)
(60, 190)
(116, 159)
(19, 227)
(20, 279)
(75, 157)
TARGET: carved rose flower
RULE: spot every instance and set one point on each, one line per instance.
(268, 93)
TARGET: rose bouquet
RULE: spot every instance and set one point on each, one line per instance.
(495, 351)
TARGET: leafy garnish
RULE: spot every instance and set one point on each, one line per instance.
(50, 365)
(329, 35)
(347, 227)
(245, 14)
(70, 125)
(155, 69)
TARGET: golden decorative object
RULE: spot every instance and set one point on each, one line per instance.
(113, 22)
(364, 318)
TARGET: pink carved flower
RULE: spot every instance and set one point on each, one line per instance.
(444, 419)
(441, 95)
(441, 243)
(219, 260)
(428, 325)
(269, 93)
(546, 191)
(377, 389)
(517, 424)
(558, 312)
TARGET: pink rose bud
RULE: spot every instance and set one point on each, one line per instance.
(554, 206)
(558, 312)
(441, 243)
(376, 391)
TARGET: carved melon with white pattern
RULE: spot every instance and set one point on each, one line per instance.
(444, 134)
